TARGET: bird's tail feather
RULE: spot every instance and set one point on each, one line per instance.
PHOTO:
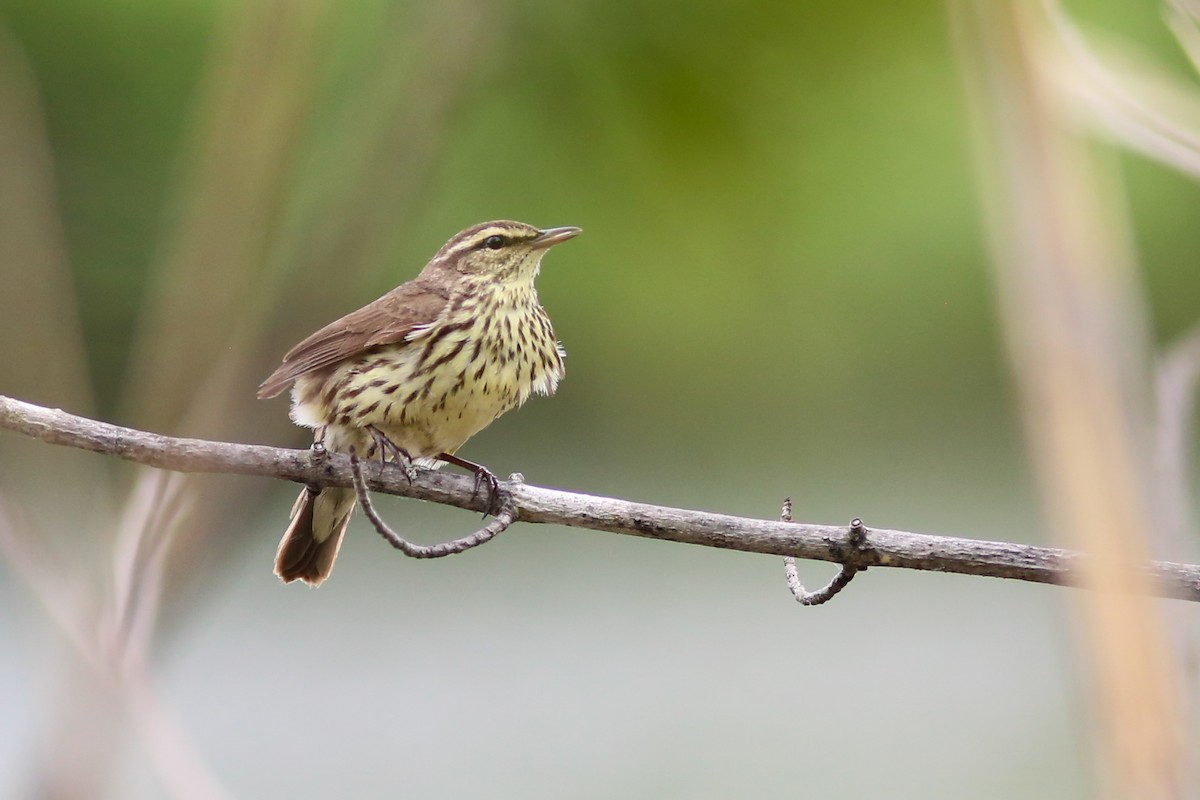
(310, 546)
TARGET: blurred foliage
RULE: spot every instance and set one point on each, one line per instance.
(770, 193)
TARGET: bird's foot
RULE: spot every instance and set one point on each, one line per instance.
(400, 457)
(483, 477)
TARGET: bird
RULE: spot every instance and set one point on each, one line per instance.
(418, 372)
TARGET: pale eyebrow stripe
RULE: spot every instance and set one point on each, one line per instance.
(493, 230)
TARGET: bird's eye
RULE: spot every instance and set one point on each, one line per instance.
(493, 242)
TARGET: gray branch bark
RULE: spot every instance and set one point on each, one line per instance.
(833, 543)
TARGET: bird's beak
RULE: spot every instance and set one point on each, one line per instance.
(552, 236)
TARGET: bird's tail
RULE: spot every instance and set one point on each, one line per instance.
(308, 549)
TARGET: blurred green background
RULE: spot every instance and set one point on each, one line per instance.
(781, 290)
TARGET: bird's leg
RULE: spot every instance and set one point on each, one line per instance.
(482, 475)
(400, 456)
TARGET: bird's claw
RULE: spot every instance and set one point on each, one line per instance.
(483, 476)
(400, 456)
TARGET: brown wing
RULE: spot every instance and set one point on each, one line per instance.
(385, 321)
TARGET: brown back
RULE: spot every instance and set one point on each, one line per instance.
(388, 320)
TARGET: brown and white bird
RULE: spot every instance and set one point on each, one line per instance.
(419, 371)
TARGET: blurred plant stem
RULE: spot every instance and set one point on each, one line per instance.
(257, 90)
(43, 354)
(1178, 380)
(257, 98)
(43, 351)
(109, 682)
(384, 146)
(1075, 322)
(256, 207)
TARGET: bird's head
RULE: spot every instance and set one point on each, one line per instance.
(502, 250)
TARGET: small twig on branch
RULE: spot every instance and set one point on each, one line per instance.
(503, 519)
(888, 548)
(844, 575)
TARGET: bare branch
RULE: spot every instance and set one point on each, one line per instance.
(884, 548)
(840, 580)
